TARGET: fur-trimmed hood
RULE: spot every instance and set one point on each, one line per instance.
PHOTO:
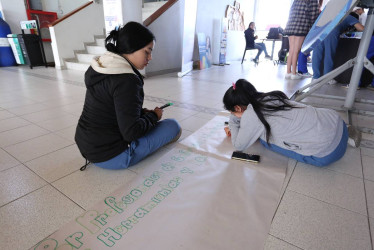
(111, 63)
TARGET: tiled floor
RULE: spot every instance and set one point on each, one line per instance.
(41, 187)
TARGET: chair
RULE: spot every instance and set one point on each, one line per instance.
(245, 50)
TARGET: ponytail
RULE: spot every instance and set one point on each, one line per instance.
(244, 93)
(111, 41)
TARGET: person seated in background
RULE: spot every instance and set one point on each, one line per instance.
(250, 42)
(326, 50)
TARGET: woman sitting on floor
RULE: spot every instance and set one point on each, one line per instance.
(311, 135)
(114, 130)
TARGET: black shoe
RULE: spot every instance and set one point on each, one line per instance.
(268, 57)
(255, 60)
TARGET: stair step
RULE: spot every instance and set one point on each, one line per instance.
(100, 42)
(85, 58)
(96, 50)
(76, 65)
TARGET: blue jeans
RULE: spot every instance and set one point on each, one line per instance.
(261, 47)
(302, 62)
(324, 52)
(316, 161)
(165, 131)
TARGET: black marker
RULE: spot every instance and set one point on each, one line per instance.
(166, 105)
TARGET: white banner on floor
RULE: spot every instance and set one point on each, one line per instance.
(188, 199)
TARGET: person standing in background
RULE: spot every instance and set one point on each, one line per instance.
(303, 14)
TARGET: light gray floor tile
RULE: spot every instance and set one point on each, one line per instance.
(332, 187)
(173, 114)
(21, 134)
(44, 115)
(372, 230)
(33, 217)
(367, 151)
(67, 133)
(7, 161)
(31, 149)
(368, 165)
(27, 109)
(87, 187)
(289, 172)
(350, 163)
(311, 224)
(16, 182)
(59, 123)
(369, 186)
(19, 102)
(273, 243)
(193, 123)
(58, 164)
(5, 114)
(12, 123)
(74, 108)
(205, 115)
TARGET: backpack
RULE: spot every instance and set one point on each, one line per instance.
(275, 33)
(283, 52)
(282, 56)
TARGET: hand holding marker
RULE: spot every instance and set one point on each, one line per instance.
(166, 105)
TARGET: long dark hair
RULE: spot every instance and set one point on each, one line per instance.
(129, 38)
(245, 93)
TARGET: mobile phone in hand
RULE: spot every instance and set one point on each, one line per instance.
(166, 105)
(236, 155)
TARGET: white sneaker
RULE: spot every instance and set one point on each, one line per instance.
(296, 77)
(288, 76)
(306, 75)
(332, 82)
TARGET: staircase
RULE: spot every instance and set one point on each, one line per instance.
(83, 58)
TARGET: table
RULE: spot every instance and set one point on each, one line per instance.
(272, 47)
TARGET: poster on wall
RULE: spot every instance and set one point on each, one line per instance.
(223, 44)
(112, 14)
(188, 38)
(205, 51)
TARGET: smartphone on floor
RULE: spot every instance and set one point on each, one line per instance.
(236, 155)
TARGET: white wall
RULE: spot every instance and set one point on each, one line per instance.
(167, 55)
(73, 32)
(14, 11)
(132, 11)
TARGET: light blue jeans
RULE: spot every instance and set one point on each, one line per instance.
(310, 159)
(165, 131)
(324, 52)
(261, 47)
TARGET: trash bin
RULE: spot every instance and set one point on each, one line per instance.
(6, 53)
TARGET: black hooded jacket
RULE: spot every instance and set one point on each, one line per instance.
(112, 115)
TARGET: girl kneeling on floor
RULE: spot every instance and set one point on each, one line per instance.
(316, 136)
(114, 130)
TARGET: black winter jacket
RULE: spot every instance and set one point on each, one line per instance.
(249, 38)
(112, 115)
